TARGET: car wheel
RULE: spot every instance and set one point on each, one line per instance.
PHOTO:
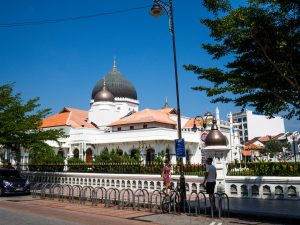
(1, 193)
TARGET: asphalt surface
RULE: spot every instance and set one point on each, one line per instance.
(23, 210)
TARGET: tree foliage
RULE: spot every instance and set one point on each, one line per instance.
(117, 156)
(261, 40)
(41, 153)
(272, 147)
(20, 122)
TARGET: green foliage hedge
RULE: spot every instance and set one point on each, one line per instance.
(264, 169)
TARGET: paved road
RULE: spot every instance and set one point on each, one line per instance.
(24, 210)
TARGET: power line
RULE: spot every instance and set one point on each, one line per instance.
(66, 19)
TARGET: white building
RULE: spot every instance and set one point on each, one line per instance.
(251, 125)
(115, 122)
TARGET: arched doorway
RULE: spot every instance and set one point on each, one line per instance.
(150, 156)
(76, 153)
(135, 154)
(119, 151)
(60, 153)
(89, 156)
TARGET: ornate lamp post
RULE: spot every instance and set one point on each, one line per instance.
(158, 9)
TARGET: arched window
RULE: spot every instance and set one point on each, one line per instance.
(292, 193)
(233, 189)
(244, 190)
(135, 154)
(266, 190)
(119, 151)
(60, 153)
(89, 156)
(76, 153)
(278, 192)
(150, 155)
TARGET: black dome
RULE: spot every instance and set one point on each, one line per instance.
(215, 137)
(104, 95)
(117, 84)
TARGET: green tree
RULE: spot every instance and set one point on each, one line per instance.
(272, 147)
(262, 42)
(135, 155)
(74, 160)
(103, 157)
(41, 153)
(20, 122)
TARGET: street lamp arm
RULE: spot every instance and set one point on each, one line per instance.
(158, 9)
(166, 6)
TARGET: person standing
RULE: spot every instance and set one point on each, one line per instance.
(166, 176)
(210, 180)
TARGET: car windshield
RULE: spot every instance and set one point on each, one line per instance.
(9, 174)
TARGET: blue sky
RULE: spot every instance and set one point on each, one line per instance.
(61, 62)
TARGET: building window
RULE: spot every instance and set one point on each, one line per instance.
(145, 126)
(245, 119)
(239, 119)
(131, 127)
(150, 155)
(76, 153)
(119, 129)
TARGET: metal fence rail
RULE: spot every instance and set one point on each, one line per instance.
(137, 199)
(199, 202)
(222, 201)
(126, 197)
(157, 201)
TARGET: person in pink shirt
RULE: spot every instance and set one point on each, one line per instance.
(166, 176)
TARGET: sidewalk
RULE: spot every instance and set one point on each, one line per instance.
(268, 211)
(243, 211)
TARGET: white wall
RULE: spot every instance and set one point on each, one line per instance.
(103, 113)
(259, 125)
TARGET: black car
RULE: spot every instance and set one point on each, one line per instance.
(11, 182)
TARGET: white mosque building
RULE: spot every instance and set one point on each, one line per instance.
(115, 122)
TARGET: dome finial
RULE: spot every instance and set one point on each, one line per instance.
(114, 65)
(166, 105)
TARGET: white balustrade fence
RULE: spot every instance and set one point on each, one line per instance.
(235, 186)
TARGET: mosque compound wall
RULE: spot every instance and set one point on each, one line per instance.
(235, 186)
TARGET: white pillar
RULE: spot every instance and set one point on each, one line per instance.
(219, 155)
(218, 117)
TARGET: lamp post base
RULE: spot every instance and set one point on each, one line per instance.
(182, 190)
